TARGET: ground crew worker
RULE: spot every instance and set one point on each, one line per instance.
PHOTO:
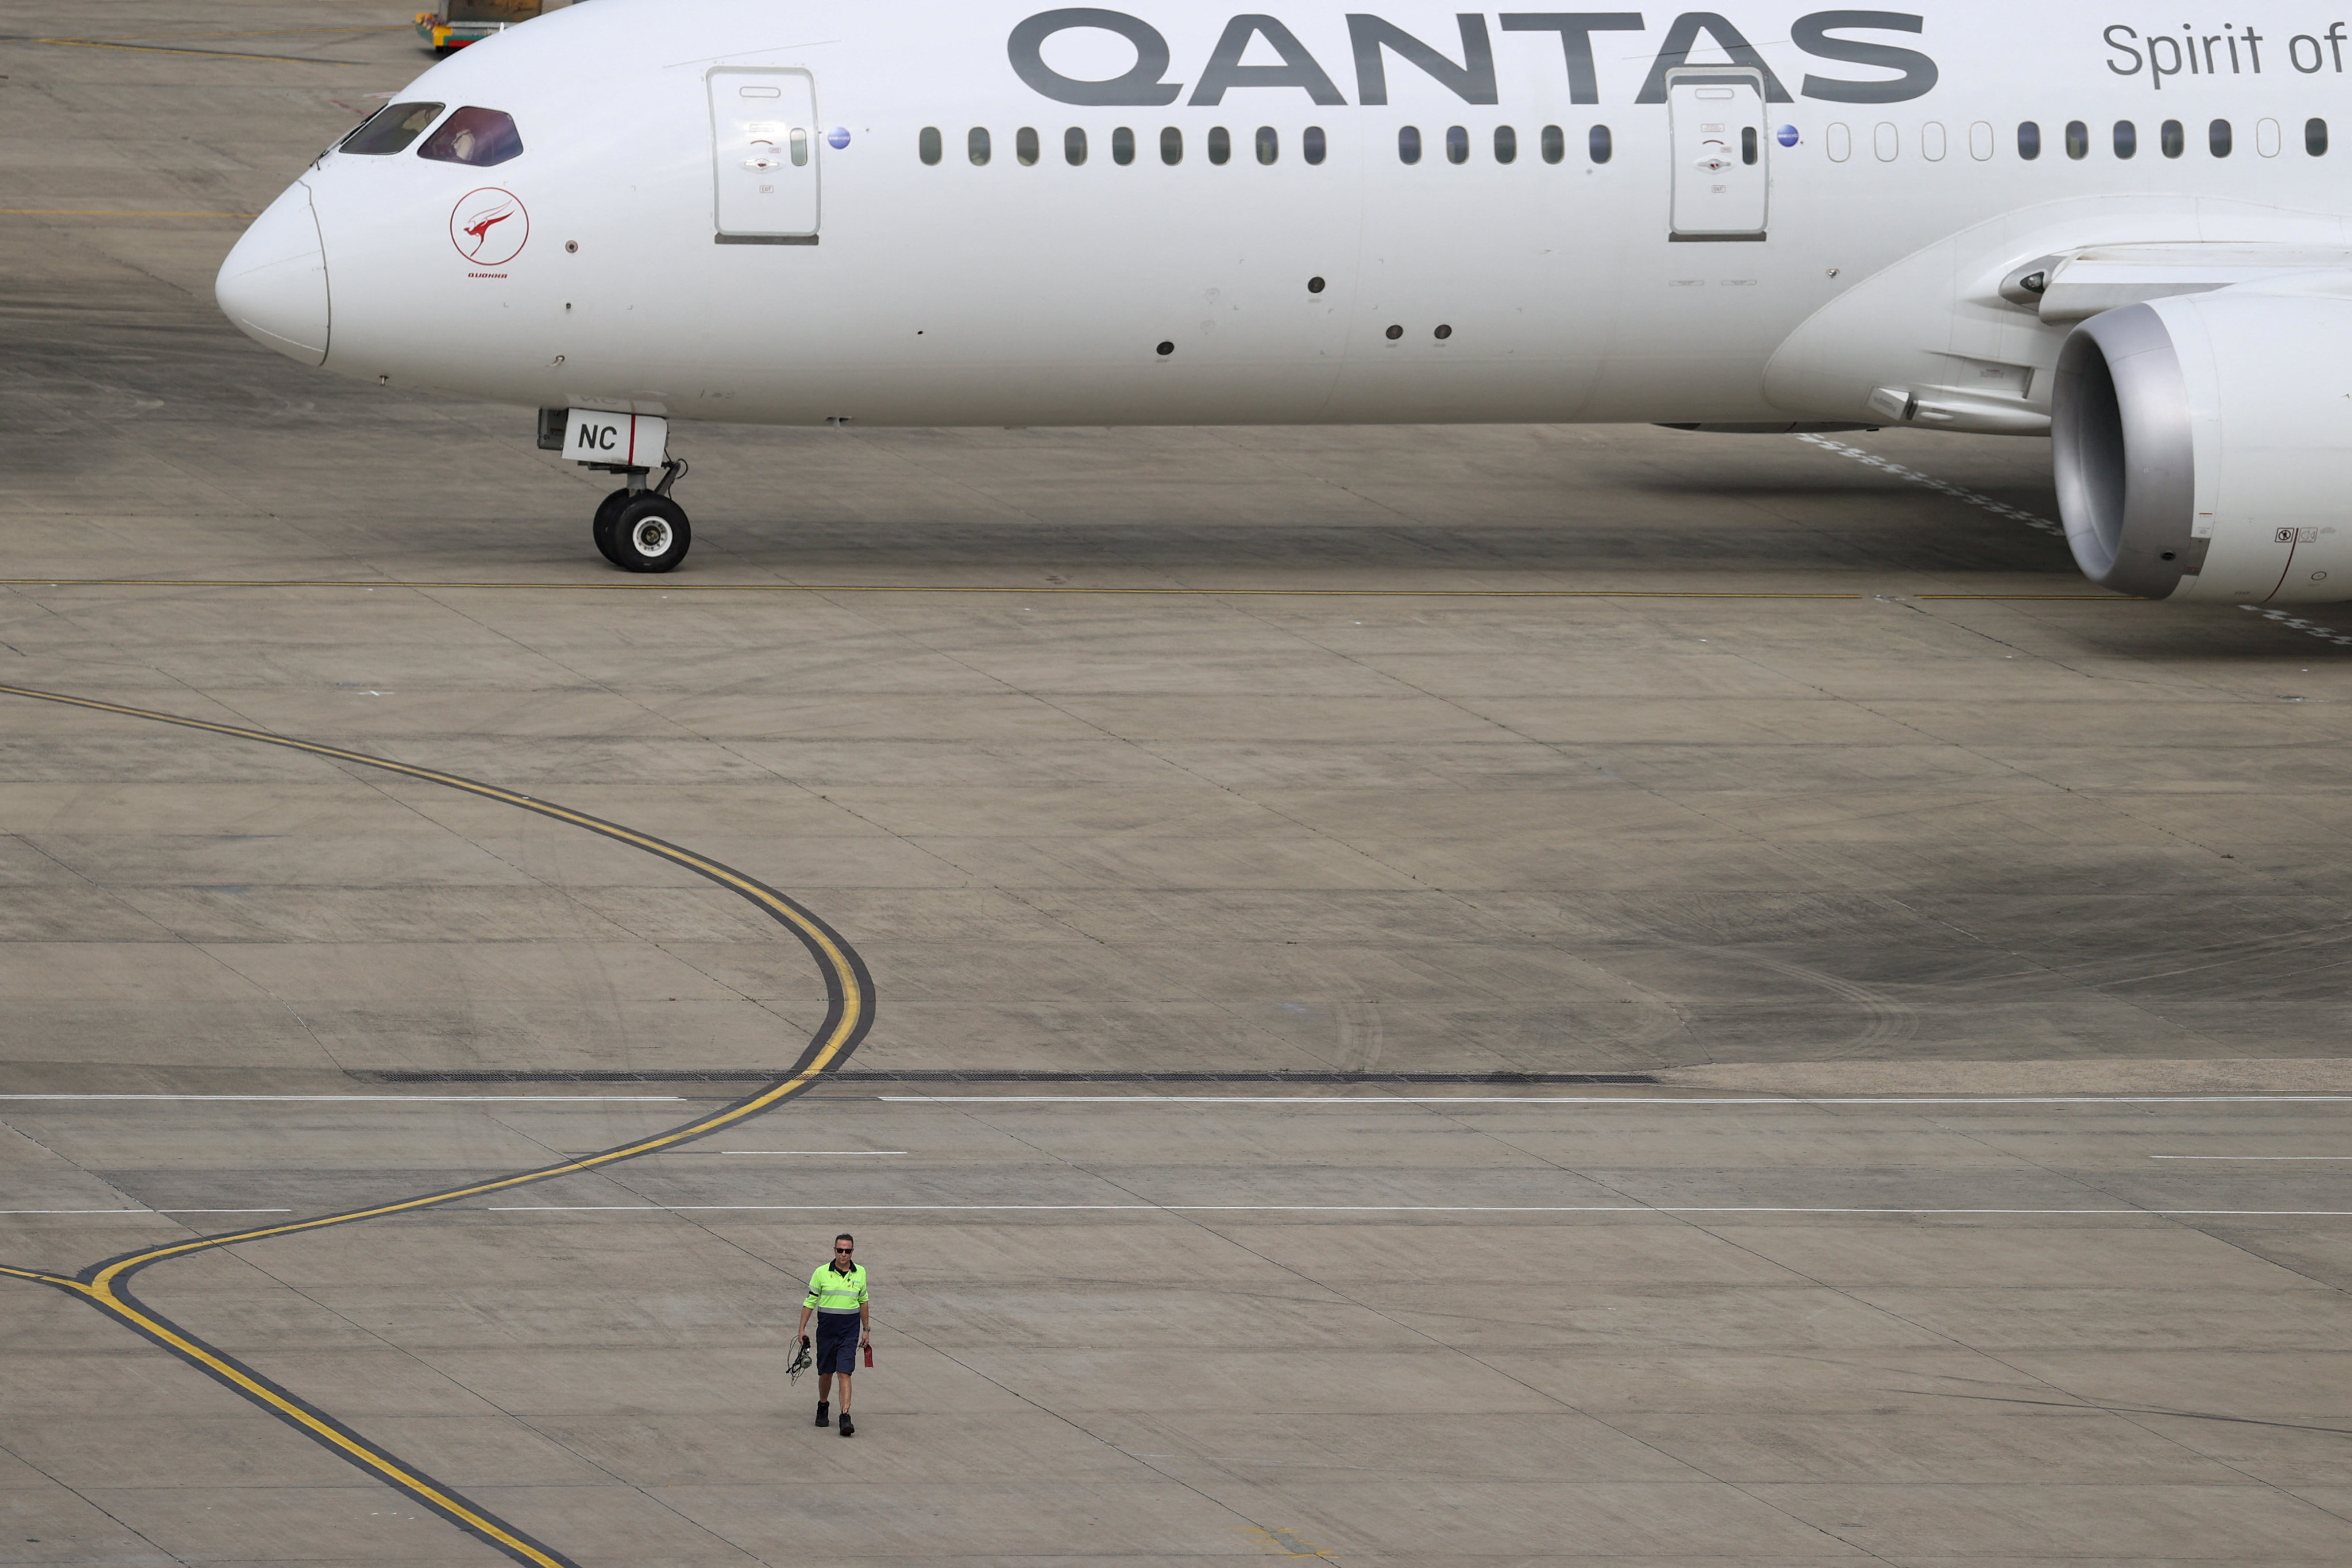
(837, 1294)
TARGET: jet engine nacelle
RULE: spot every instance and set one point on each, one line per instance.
(2203, 444)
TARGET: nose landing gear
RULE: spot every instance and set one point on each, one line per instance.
(638, 528)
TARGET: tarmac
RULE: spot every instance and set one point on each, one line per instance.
(1454, 995)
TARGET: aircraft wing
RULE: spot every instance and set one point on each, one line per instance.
(2075, 286)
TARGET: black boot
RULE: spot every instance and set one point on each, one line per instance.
(823, 1413)
(849, 1427)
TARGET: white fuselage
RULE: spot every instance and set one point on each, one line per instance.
(1021, 293)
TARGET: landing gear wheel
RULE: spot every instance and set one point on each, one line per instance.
(650, 533)
(608, 511)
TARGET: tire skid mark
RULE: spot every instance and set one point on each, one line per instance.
(104, 1285)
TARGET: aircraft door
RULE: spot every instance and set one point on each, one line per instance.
(1722, 172)
(763, 138)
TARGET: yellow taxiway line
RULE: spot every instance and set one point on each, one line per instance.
(849, 1013)
(321, 1427)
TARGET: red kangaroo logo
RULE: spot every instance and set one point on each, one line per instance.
(480, 231)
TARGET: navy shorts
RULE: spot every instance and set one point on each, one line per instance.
(836, 1342)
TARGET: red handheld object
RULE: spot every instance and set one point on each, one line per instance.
(869, 1355)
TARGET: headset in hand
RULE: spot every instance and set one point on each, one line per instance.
(801, 1363)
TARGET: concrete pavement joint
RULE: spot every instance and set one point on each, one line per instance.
(1365, 1208)
(379, 1098)
(1754, 1102)
(666, 588)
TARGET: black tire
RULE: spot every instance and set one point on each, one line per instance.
(608, 510)
(650, 534)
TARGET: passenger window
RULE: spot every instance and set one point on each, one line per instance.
(1074, 146)
(1555, 143)
(1600, 144)
(1221, 144)
(1457, 144)
(2078, 139)
(1025, 145)
(977, 145)
(1269, 145)
(1507, 144)
(2217, 137)
(798, 142)
(391, 128)
(2172, 139)
(1172, 146)
(2314, 137)
(2029, 141)
(927, 144)
(1748, 144)
(1313, 144)
(480, 137)
(2127, 139)
(1122, 146)
(1409, 144)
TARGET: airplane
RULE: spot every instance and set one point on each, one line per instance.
(1992, 217)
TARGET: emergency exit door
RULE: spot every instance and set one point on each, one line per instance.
(763, 139)
(1721, 175)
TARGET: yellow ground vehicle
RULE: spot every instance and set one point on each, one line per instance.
(462, 21)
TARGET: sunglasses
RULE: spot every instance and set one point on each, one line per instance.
(844, 1249)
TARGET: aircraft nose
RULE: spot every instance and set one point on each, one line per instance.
(274, 283)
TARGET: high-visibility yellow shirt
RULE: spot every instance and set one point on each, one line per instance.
(831, 1291)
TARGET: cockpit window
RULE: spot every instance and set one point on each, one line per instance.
(392, 128)
(478, 136)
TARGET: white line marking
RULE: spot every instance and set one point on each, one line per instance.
(2296, 622)
(1603, 1100)
(1334, 1208)
(2250, 1156)
(1958, 492)
(145, 1211)
(384, 1099)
